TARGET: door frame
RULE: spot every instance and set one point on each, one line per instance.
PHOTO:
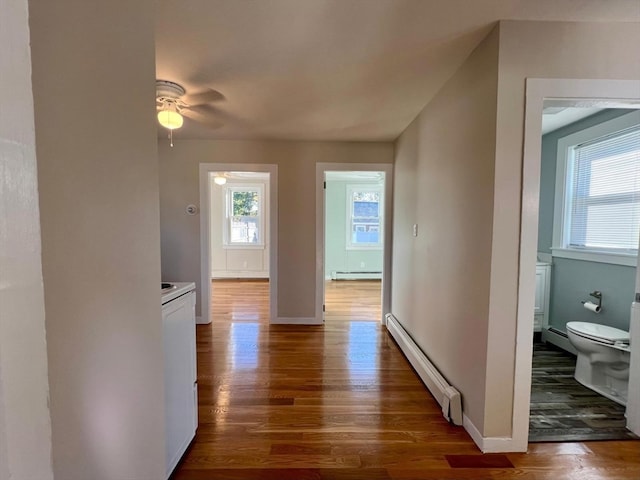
(321, 169)
(205, 232)
(538, 90)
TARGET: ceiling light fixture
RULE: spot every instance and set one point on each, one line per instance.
(220, 180)
(170, 118)
(168, 101)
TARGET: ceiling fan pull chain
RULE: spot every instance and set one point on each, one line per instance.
(171, 138)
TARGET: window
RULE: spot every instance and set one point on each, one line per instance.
(244, 215)
(599, 207)
(364, 217)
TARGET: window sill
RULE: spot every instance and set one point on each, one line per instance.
(364, 247)
(594, 256)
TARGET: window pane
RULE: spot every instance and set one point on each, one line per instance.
(245, 229)
(245, 203)
(365, 224)
(604, 230)
(605, 195)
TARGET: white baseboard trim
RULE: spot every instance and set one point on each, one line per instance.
(487, 444)
(200, 321)
(296, 321)
(237, 274)
(356, 275)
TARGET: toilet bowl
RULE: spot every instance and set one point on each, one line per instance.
(603, 358)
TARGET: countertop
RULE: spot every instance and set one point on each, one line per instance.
(180, 289)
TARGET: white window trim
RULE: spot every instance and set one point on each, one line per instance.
(227, 191)
(365, 187)
(561, 215)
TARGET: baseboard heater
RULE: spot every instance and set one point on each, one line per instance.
(558, 332)
(446, 395)
(356, 275)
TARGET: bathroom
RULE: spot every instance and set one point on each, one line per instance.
(588, 235)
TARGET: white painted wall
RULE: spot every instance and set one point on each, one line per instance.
(93, 84)
(296, 162)
(444, 183)
(237, 262)
(534, 50)
(480, 110)
(25, 425)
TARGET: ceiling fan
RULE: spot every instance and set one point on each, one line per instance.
(173, 103)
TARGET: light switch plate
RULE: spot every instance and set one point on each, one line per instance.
(415, 229)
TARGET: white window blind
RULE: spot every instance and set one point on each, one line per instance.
(604, 195)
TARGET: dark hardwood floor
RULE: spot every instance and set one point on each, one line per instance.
(340, 402)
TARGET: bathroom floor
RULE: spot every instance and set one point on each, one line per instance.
(562, 410)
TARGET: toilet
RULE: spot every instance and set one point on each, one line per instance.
(603, 358)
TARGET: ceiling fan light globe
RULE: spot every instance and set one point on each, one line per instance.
(170, 119)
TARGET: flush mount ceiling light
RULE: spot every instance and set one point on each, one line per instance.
(220, 179)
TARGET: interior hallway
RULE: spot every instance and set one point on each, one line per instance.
(340, 401)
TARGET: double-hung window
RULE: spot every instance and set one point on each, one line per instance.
(597, 215)
(244, 215)
(364, 217)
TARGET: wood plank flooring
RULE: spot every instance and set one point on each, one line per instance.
(564, 410)
(348, 300)
(340, 402)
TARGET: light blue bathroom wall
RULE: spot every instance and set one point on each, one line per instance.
(548, 171)
(337, 257)
(573, 280)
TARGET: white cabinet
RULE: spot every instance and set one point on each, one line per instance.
(541, 308)
(181, 413)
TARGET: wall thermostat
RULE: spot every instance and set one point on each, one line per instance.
(192, 209)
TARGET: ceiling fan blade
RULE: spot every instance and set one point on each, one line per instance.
(202, 119)
(207, 110)
(208, 95)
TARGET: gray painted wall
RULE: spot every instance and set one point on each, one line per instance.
(572, 280)
(337, 257)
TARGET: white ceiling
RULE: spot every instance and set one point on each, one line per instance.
(333, 69)
(553, 120)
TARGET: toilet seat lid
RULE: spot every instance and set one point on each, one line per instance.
(599, 333)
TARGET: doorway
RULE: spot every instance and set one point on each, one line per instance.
(588, 229)
(238, 231)
(353, 247)
(353, 242)
(239, 245)
(616, 93)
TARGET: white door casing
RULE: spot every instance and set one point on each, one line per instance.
(321, 168)
(205, 232)
(610, 93)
